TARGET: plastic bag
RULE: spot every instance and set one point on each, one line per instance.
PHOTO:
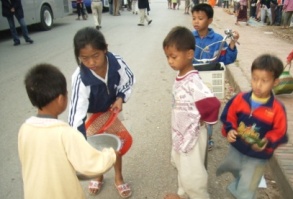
(285, 85)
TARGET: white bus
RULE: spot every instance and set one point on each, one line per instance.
(41, 12)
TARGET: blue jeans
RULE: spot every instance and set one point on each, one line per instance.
(13, 29)
(111, 8)
(278, 11)
(247, 172)
(210, 130)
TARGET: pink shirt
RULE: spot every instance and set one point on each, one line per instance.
(288, 5)
(192, 102)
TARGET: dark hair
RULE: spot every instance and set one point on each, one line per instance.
(88, 36)
(269, 63)
(43, 83)
(181, 38)
(208, 9)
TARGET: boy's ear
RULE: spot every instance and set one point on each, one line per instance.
(276, 82)
(210, 20)
(190, 54)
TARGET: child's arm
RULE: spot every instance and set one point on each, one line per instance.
(209, 109)
(117, 105)
(78, 104)
(205, 101)
(84, 158)
(290, 57)
(126, 83)
(229, 116)
(232, 136)
(234, 40)
(256, 147)
(229, 52)
(278, 134)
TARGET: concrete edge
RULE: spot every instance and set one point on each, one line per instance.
(281, 177)
(240, 83)
(235, 75)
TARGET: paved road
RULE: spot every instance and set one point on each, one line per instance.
(147, 114)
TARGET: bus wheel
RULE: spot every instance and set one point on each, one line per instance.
(46, 18)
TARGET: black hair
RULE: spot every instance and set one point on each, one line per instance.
(181, 38)
(204, 7)
(268, 63)
(88, 36)
(44, 83)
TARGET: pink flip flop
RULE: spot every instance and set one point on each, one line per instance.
(94, 184)
(122, 189)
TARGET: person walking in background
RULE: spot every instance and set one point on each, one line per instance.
(255, 124)
(80, 10)
(85, 11)
(278, 13)
(258, 11)
(242, 12)
(174, 4)
(226, 4)
(111, 7)
(11, 8)
(253, 9)
(143, 5)
(266, 11)
(134, 7)
(97, 10)
(116, 7)
(178, 4)
(235, 6)
(187, 7)
(169, 4)
(193, 106)
(101, 83)
(288, 11)
(51, 151)
(274, 4)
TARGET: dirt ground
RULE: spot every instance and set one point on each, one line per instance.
(280, 32)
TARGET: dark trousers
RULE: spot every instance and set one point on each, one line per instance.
(253, 11)
(278, 15)
(80, 9)
(13, 29)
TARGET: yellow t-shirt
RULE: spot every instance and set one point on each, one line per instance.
(50, 153)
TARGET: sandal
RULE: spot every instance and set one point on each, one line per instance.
(122, 189)
(96, 185)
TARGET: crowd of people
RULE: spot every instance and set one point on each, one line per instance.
(269, 12)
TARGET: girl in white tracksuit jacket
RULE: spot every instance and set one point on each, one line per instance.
(102, 82)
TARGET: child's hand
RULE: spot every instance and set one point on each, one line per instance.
(232, 135)
(117, 105)
(234, 40)
(235, 36)
(255, 146)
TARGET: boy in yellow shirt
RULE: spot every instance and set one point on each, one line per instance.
(50, 151)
